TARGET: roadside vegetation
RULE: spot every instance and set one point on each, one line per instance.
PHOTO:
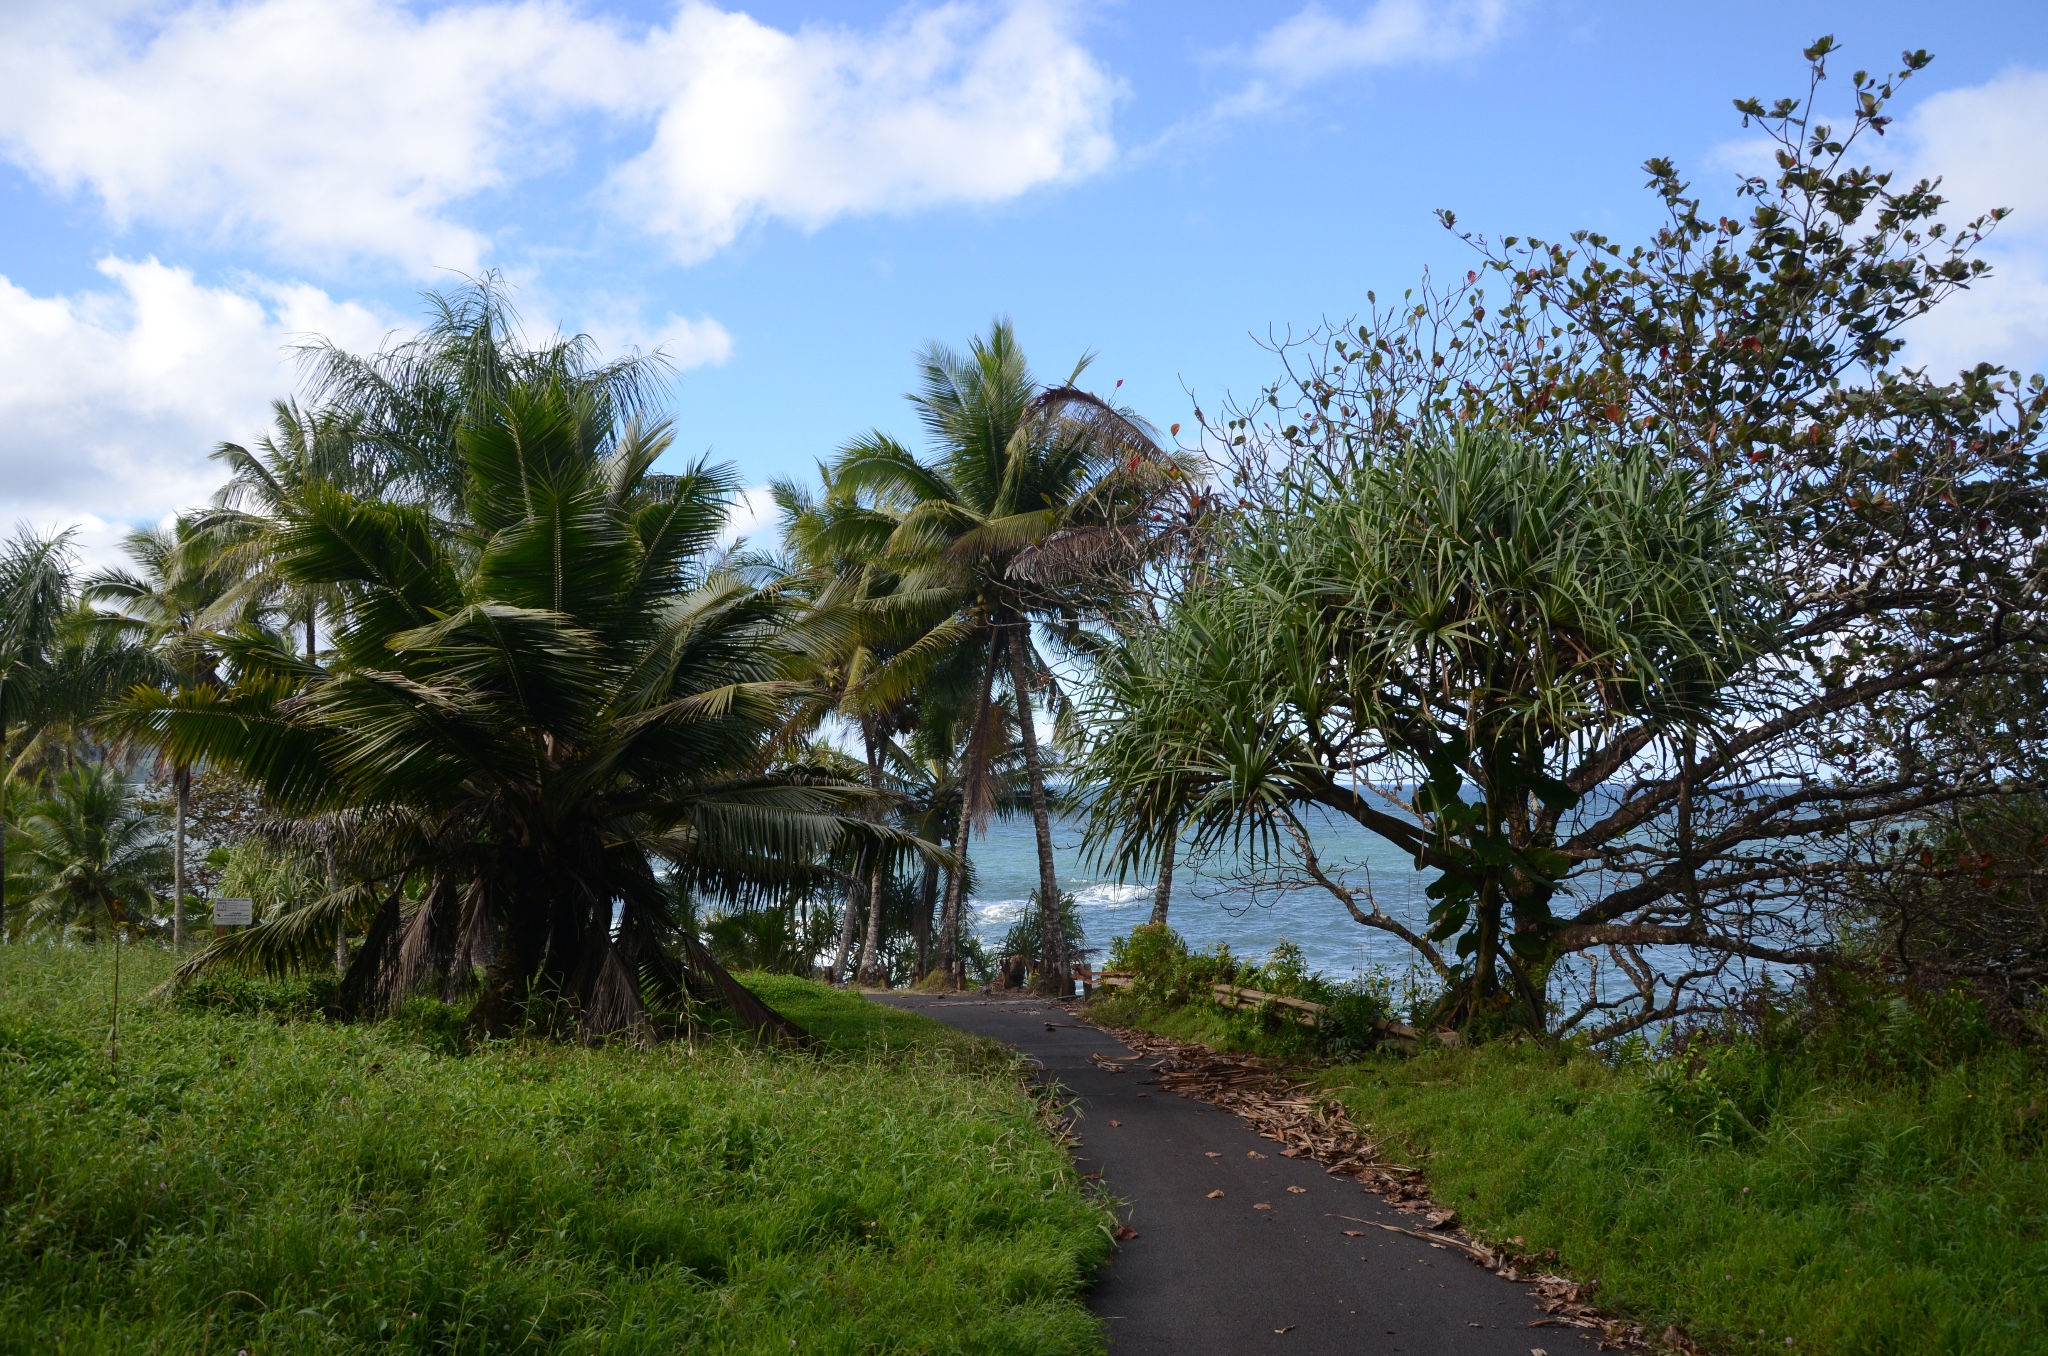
(247, 1178)
(1688, 638)
(1842, 1167)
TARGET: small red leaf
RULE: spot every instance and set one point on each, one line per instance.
(1125, 1233)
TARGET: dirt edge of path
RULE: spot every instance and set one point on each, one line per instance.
(1280, 1106)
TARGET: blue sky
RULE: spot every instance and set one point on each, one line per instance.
(793, 198)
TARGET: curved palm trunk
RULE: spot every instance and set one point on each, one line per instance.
(921, 925)
(1053, 974)
(868, 970)
(837, 975)
(971, 789)
(1163, 895)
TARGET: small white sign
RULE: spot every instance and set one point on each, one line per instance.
(234, 913)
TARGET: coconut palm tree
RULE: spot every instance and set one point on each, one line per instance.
(1034, 510)
(405, 405)
(168, 606)
(88, 857)
(35, 587)
(834, 544)
(533, 736)
(305, 450)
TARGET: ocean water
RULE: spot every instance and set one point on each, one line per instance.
(1211, 901)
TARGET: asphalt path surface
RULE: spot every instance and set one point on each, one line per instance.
(1267, 1266)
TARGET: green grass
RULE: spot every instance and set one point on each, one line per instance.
(1234, 1031)
(252, 1179)
(1867, 1214)
(849, 1024)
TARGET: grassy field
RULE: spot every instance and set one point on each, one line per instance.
(1814, 1205)
(264, 1182)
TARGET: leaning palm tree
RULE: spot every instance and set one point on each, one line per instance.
(534, 738)
(1034, 511)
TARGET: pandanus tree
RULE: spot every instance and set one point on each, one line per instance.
(1436, 642)
(1035, 508)
(534, 732)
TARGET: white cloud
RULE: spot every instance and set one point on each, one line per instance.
(952, 104)
(752, 518)
(113, 399)
(685, 341)
(1989, 145)
(316, 129)
(1315, 44)
(329, 130)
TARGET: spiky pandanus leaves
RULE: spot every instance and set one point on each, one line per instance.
(1461, 619)
(531, 732)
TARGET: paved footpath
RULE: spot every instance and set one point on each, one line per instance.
(1218, 1276)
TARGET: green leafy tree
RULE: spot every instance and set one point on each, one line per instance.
(1462, 618)
(405, 406)
(1037, 506)
(34, 584)
(168, 605)
(531, 736)
(1891, 563)
(305, 452)
(87, 859)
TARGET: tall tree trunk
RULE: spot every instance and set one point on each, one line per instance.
(1054, 976)
(853, 902)
(1163, 895)
(181, 781)
(871, 947)
(949, 912)
(921, 924)
(970, 786)
(6, 777)
(341, 926)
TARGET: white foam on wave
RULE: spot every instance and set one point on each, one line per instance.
(1111, 895)
(996, 912)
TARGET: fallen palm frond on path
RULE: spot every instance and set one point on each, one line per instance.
(1281, 1107)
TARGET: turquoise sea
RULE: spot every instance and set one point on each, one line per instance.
(1210, 902)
